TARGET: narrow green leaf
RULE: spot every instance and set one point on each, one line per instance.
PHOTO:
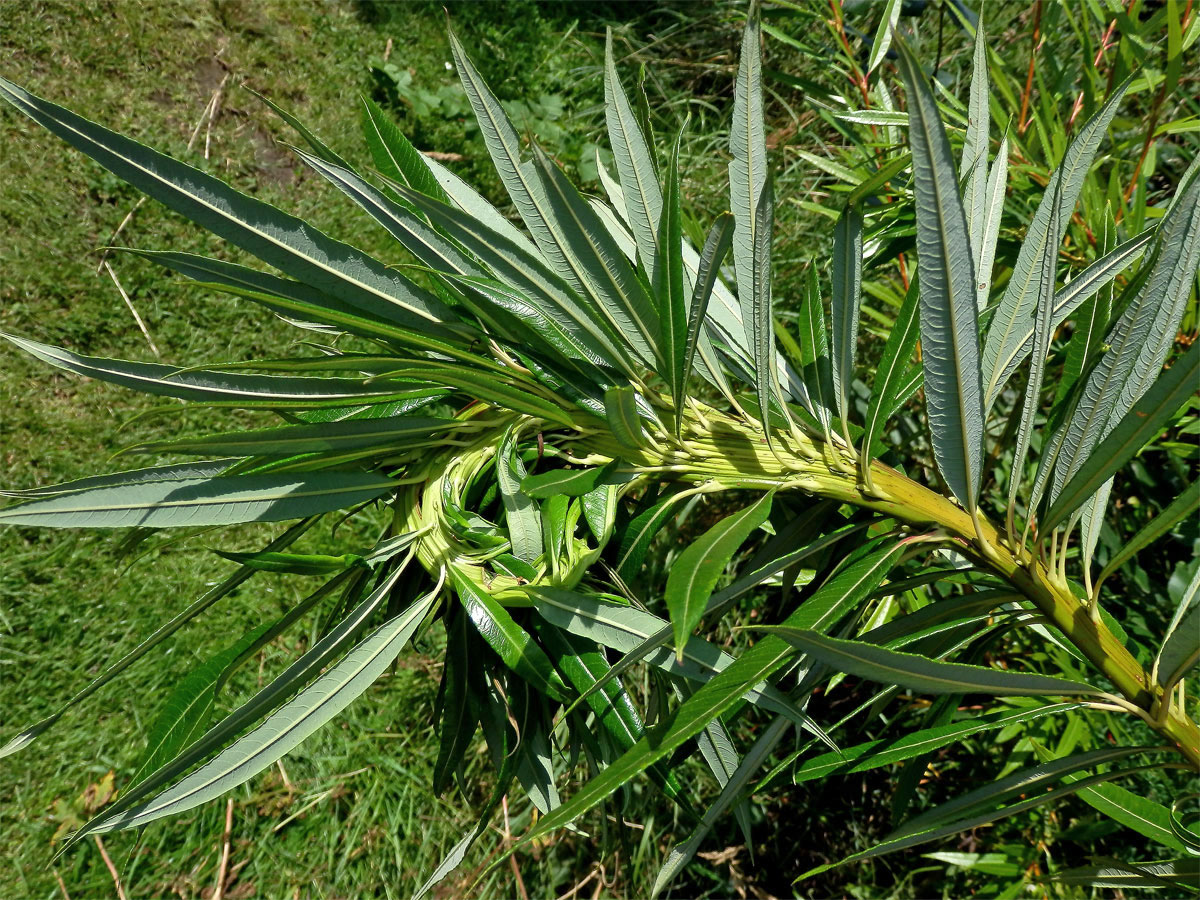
(624, 627)
(394, 155)
(318, 146)
(921, 673)
(949, 314)
(844, 305)
(595, 263)
(173, 472)
(1134, 811)
(1138, 426)
(482, 386)
(1177, 510)
(1012, 318)
(201, 501)
(1025, 782)
(458, 716)
(1042, 799)
(224, 388)
(875, 754)
(642, 197)
(815, 366)
(204, 602)
(1043, 332)
(292, 563)
(521, 514)
(286, 440)
(282, 730)
(281, 240)
(888, 19)
(893, 365)
(974, 163)
(620, 404)
(992, 212)
(1076, 292)
(535, 768)
(569, 482)
(285, 297)
(670, 290)
(747, 169)
(758, 317)
(523, 269)
(1180, 874)
(511, 642)
(694, 574)
(716, 245)
(1138, 342)
(1181, 650)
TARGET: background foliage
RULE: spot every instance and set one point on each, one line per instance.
(150, 72)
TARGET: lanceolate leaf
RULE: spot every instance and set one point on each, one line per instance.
(1131, 433)
(511, 642)
(814, 352)
(669, 289)
(571, 482)
(1041, 346)
(993, 210)
(394, 155)
(1181, 650)
(975, 146)
(874, 754)
(1186, 504)
(760, 323)
(897, 353)
(226, 388)
(1139, 341)
(620, 407)
(748, 168)
(949, 315)
(458, 714)
(921, 673)
(204, 602)
(845, 303)
(278, 239)
(201, 501)
(593, 260)
(1010, 323)
(694, 574)
(521, 514)
(1077, 291)
(720, 237)
(643, 200)
(394, 431)
(282, 730)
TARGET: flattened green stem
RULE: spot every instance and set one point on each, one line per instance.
(722, 453)
(736, 456)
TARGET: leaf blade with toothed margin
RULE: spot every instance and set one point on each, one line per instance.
(394, 155)
(281, 240)
(1005, 332)
(948, 310)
